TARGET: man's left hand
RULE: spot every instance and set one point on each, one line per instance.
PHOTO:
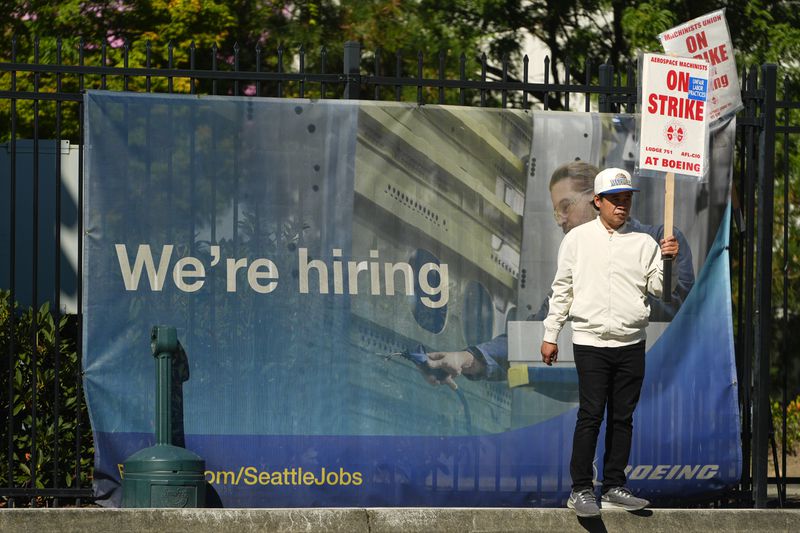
(669, 247)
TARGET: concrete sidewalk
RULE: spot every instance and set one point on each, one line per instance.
(406, 520)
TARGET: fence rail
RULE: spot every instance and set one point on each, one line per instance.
(48, 451)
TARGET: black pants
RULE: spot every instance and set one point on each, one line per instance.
(612, 378)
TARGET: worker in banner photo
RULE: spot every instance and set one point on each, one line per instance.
(605, 271)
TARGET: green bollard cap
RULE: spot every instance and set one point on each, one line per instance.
(164, 458)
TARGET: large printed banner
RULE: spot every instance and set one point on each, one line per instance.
(304, 248)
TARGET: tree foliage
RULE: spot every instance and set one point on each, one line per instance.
(610, 31)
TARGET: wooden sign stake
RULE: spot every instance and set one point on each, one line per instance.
(669, 205)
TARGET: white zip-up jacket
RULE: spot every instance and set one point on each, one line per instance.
(602, 283)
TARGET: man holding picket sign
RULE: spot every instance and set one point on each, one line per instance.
(605, 272)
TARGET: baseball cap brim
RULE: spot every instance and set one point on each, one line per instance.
(619, 189)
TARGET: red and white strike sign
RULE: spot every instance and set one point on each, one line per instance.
(674, 128)
(708, 38)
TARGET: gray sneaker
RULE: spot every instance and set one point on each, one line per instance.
(621, 498)
(584, 503)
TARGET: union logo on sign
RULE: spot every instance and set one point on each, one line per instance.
(674, 133)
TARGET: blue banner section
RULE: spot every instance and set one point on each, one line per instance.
(312, 254)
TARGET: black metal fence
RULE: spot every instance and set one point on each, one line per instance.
(45, 431)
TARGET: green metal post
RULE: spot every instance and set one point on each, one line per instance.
(164, 342)
(164, 475)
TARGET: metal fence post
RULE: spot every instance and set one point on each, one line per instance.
(351, 70)
(606, 83)
(763, 323)
(747, 244)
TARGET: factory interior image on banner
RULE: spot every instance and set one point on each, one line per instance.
(311, 253)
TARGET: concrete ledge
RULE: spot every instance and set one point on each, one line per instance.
(406, 520)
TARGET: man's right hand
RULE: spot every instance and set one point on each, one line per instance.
(549, 353)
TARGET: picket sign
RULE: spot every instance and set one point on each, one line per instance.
(707, 37)
(673, 133)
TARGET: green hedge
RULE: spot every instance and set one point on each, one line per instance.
(42, 384)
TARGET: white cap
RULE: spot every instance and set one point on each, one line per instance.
(613, 180)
